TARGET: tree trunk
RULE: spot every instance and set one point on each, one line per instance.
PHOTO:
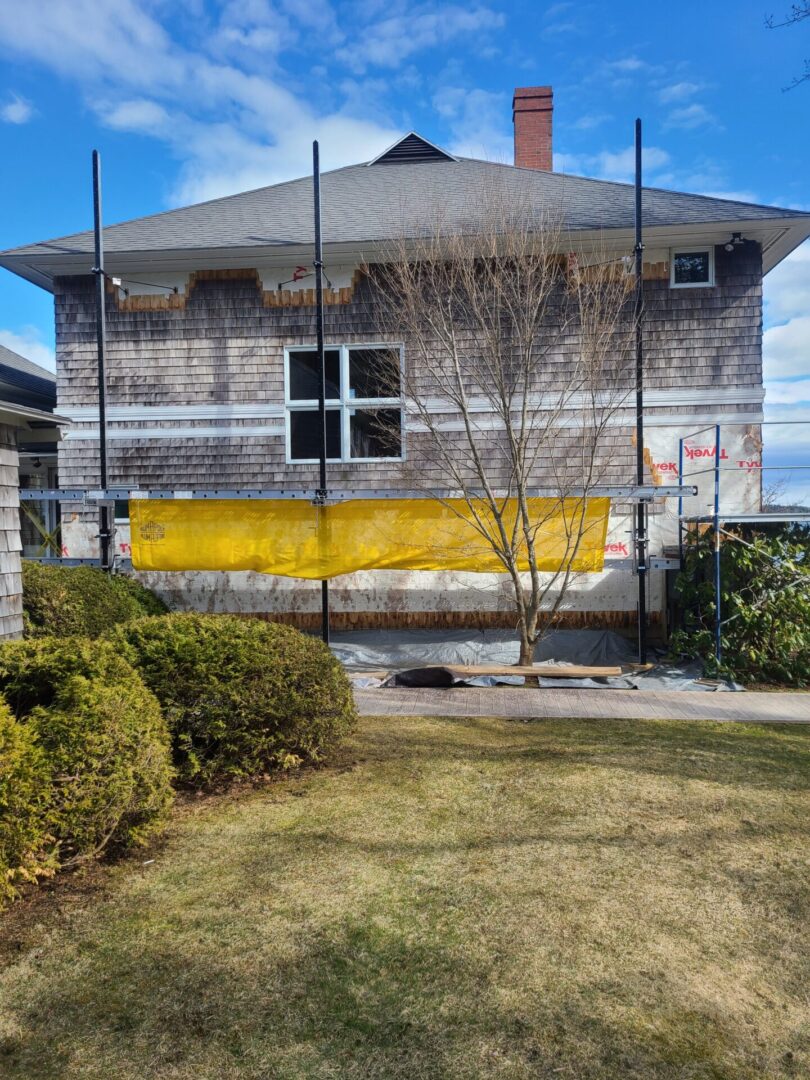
(526, 649)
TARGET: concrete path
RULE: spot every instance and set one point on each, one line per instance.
(508, 702)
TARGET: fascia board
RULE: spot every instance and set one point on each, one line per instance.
(778, 236)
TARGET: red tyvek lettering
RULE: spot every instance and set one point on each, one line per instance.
(616, 548)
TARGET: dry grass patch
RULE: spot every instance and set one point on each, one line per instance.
(459, 899)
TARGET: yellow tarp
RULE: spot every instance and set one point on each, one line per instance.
(297, 539)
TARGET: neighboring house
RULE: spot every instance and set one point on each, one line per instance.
(22, 382)
(28, 437)
(208, 368)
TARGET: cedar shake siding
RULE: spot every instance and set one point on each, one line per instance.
(11, 606)
(196, 355)
(225, 347)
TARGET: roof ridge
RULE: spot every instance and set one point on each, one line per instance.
(644, 187)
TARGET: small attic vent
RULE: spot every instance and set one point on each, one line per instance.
(411, 150)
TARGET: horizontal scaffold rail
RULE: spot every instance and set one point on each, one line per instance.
(628, 492)
(747, 519)
(125, 563)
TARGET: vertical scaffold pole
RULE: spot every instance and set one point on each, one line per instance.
(641, 509)
(101, 342)
(319, 331)
(680, 502)
(718, 645)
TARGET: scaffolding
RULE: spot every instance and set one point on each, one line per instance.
(104, 497)
(722, 516)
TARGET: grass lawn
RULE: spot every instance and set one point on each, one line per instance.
(453, 899)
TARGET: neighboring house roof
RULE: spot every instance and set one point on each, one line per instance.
(388, 198)
(22, 416)
(26, 383)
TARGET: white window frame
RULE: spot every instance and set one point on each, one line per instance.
(693, 249)
(344, 404)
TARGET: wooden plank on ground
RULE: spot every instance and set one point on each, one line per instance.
(548, 671)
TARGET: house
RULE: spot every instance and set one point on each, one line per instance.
(29, 434)
(210, 338)
(24, 383)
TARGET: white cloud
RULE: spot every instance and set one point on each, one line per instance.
(231, 126)
(787, 287)
(253, 25)
(792, 392)
(90, 39)
(392, 40)
(590, 121)
(786, 349)
(613, 164)
(17, 111)
(139, 115)
(28, 342)
(628, 65)
(786, 341)
(479, 120)
(690, 117)
(553, 11)
(679, 91)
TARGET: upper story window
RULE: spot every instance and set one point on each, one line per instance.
(363, 403)
(691, 268)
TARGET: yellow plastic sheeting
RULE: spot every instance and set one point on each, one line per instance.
(297, 539)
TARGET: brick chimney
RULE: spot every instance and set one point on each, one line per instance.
(531, 112)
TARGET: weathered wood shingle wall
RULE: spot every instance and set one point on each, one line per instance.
(11, 607)
(225, 347)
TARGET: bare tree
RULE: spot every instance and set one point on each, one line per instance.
(516, 360)
(797, 13)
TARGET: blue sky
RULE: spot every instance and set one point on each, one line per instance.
(189, 101)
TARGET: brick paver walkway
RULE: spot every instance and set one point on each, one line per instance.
(508, 702)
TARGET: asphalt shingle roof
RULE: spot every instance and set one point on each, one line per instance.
(10, 359)
(378, 202)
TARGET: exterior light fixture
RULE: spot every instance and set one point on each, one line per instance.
(734, 242)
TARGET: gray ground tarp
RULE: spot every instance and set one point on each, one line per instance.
(418, 658)
(376, 650)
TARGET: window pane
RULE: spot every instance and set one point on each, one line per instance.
(305, 439)
(376, 433)
(121, 510)
(305, 374)
(691, 268)
(373, 373)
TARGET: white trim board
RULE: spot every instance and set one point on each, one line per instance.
(481, 424)
(229, 411)
(213, 432)
(677, 398)
(495, 423)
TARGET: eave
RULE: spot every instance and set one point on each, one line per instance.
(778, 236)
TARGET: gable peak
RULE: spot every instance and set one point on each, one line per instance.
(412, 149)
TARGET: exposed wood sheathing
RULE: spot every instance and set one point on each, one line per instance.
(271, 298)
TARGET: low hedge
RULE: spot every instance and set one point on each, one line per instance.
(60, 601)
(103, 738)
(240, 695)
(24, 797)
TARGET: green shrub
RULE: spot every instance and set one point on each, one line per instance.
(103, 737)
(764, 604)
(144, 600)
(61, 601)
(240, 695)
(24, 804)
